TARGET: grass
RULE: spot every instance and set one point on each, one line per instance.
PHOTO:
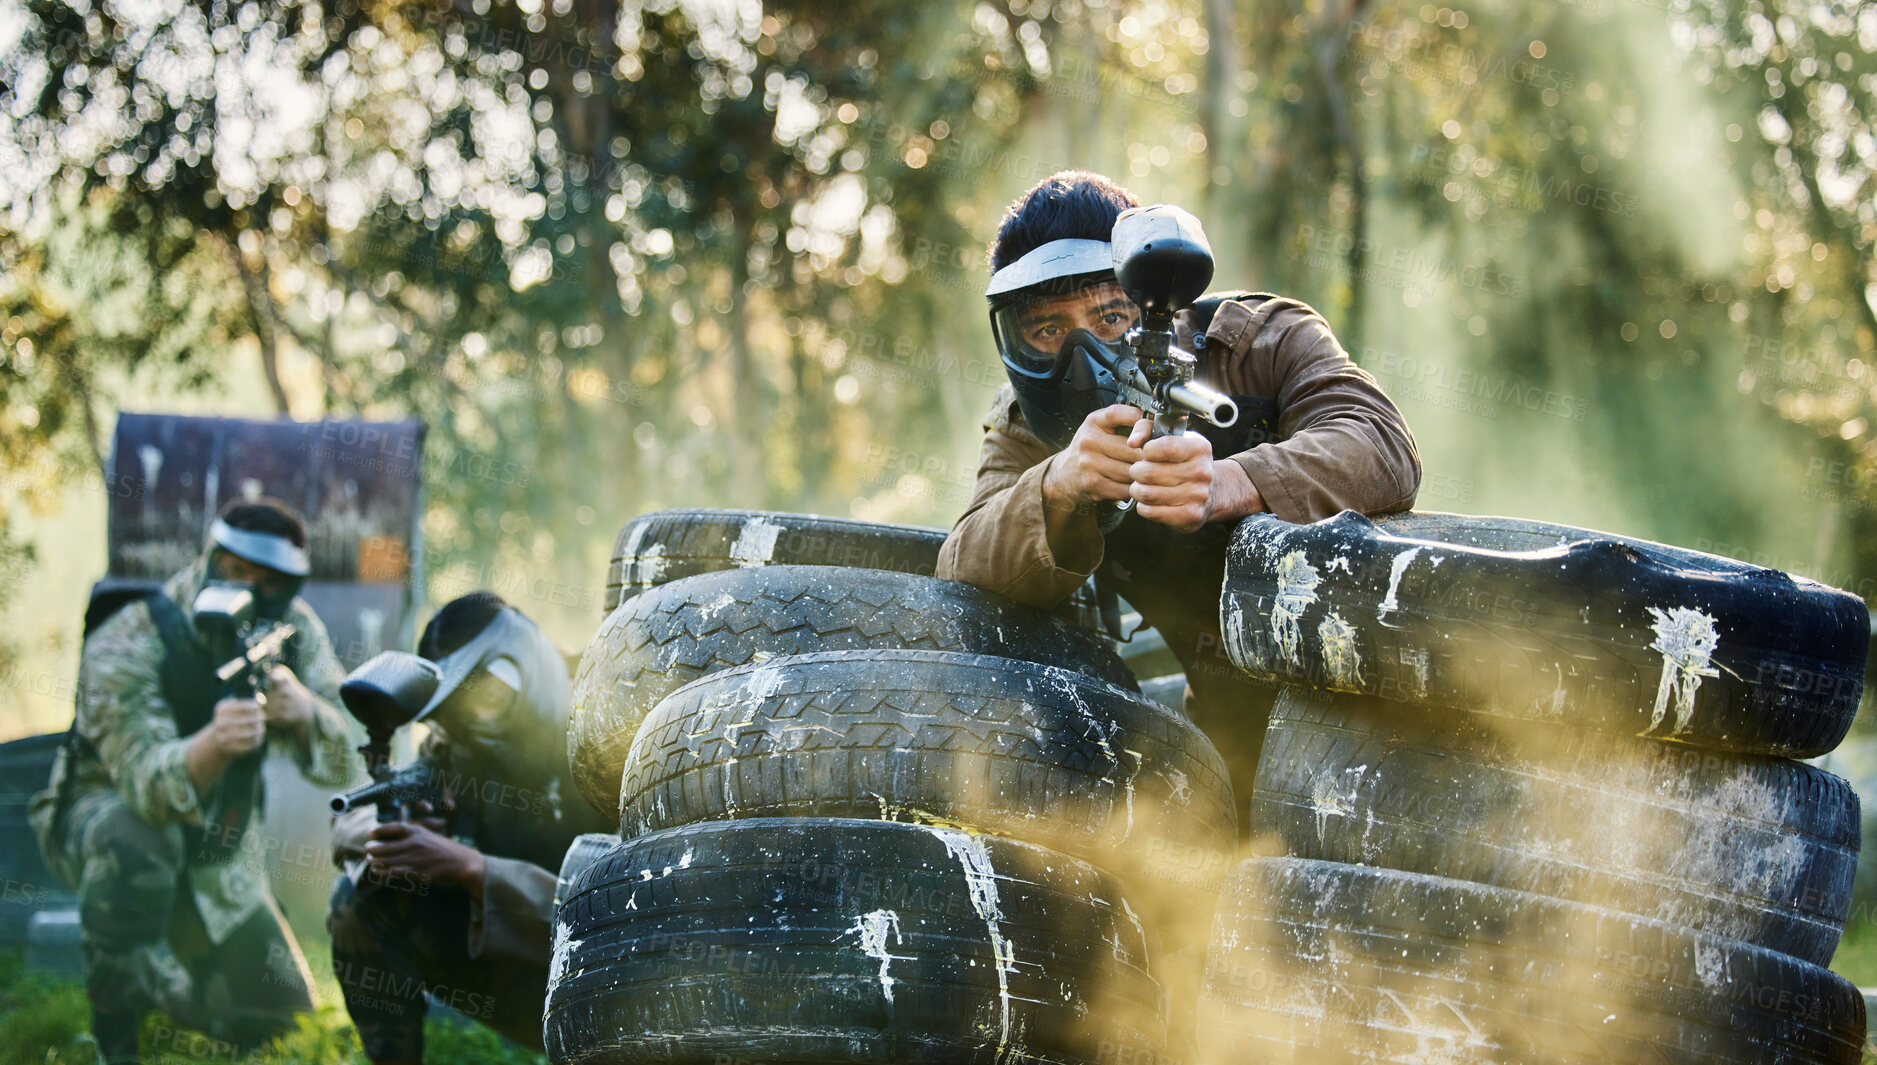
(1856, 959)
(42, 1018)
(45, 1020)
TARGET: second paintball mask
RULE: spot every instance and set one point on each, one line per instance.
(272, 599)
(504, 695)
(1059, 320)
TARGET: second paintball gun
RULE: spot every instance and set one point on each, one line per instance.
(385, 694)
(226, 612)
(225, 616)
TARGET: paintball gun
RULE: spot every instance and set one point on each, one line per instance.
(225, 617)
(1163, 263)
(385, 694)
(228, 611)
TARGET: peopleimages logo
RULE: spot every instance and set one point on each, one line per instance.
(1516, 185)
(1436, 377)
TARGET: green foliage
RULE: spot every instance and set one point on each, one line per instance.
(43, 1020)
(445, 1041)
(46, 1020)
(1856, 959)
(623, 256)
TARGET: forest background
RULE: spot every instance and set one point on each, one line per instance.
(1613, 258)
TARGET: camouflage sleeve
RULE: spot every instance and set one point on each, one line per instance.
(325, 753)
(122, 713)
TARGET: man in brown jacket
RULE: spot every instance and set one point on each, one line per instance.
(1315, 436)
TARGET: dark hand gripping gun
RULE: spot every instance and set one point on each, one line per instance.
(385, 694)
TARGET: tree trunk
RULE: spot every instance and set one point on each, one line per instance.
(749, 472)
(1215, 114)
(1328, 46)
(261, 311)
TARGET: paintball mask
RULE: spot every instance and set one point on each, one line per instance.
(504, 695)
(1060, 321)
(273, 596)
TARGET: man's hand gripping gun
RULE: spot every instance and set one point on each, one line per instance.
(1163, 263)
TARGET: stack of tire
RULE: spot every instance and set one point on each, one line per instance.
(1532, 798)
(866, 815)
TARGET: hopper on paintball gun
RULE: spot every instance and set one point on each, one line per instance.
(1163, 263)
(225, 614)
(385, 694)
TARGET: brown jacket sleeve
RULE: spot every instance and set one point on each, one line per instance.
(1000, 543)
(1343, 446)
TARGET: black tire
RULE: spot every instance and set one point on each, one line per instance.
(582, 852)
(767, 940)
(668, 545)
(1326, 963)
(661, 640)
(1616, 635)
(1757, 849)
(993, 745)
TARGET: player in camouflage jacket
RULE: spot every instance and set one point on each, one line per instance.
(174, 904)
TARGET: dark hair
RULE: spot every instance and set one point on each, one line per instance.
(266, 515)
(457, 623)
(1070, 205)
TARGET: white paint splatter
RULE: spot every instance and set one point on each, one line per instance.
(1103, 734)
(1417, 663)
(1710, 964)
(1140, 933)
(632, 566)
(873, 929)
(1340, 657)
(1551, 707)
(971, 853)
(1331, 800)
(645, 568)
(760, 684)
(1297, 581)
(1241, 650)
(1686, 638)
(1180, 789)
(755, 542)
(1340, 562)
(564, 947)
(1395, 569)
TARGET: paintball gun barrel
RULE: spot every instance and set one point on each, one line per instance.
(395, 793)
